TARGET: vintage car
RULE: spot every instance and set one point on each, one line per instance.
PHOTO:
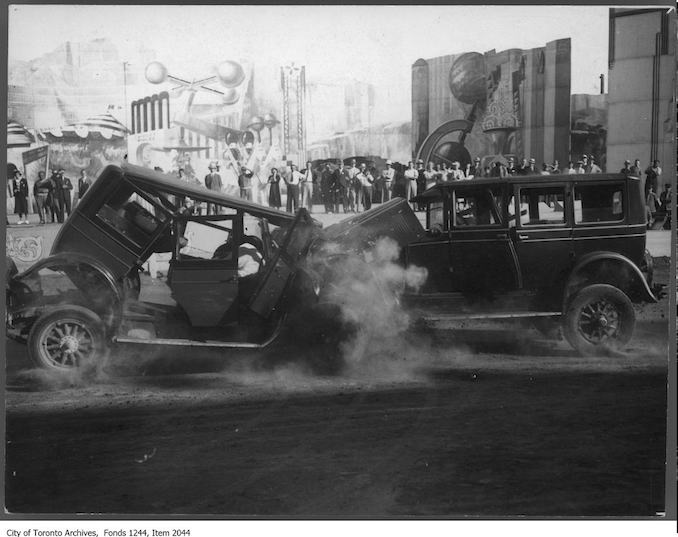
(229, 272)
(563, 248)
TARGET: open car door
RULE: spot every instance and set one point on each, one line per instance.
(203, 274)
(282, 263)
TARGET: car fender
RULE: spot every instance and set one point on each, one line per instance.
(588, 269)
(115, 301)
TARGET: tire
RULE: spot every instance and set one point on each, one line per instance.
(599, 320)
(68, 338)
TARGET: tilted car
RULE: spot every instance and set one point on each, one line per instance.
(229, 273)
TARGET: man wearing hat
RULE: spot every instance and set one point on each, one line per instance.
(411, 176)
(58, 196)
(581, 167)
(593, 167)
(387, 178)
(245, 183)
(474, 170)
(626, 170)
(529, 168)
(652, 176)
(213, 182)
(66, 189)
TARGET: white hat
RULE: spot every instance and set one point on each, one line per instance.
(389, 162)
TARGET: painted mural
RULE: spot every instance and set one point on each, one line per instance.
(497, 104)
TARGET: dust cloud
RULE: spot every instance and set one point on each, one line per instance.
(367, 289)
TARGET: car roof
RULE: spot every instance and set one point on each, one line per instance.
(436, 190)
(141, 177)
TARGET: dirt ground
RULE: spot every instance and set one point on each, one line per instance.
(488, 422)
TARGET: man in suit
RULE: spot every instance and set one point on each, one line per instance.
(57, 197)
(343, 184)
(83, 184)
(213, 182)
(67, 188)
(353, 188)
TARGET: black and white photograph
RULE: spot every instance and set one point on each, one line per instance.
(328, 262)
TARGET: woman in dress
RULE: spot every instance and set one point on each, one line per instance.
(274, 191)
(20, 189)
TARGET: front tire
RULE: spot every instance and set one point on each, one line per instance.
(68, 338)
(599, 320)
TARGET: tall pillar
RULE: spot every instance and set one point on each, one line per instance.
(420, 104)
(557, 101)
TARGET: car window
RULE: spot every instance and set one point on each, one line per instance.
(436, 215)
(541, 205)
(208, 240)
(128, 214)
(475, 207)
(598, 203)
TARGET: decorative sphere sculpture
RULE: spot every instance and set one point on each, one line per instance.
(256, 124)
(230, 96)
(270, 120)
(230, 73)
(467, 78)
(156, 73)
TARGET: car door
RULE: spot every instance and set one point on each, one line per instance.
(203, 273)
(543, 231)
(481, 254)
(432, 251)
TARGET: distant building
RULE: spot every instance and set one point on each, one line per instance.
(642, 79)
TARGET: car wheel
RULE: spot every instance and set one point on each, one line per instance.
(599, 319)
(68, 338)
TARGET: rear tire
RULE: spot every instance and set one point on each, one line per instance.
(599, 320)
(68, 338)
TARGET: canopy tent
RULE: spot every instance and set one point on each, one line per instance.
(100, 127)
(18, 136)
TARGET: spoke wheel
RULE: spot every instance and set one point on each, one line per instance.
(599, 319)
(67, 338)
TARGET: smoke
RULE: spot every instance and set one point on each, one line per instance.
(366, 289)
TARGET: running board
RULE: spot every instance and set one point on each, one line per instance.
(192, 343)
(490, 316)
(195, 343)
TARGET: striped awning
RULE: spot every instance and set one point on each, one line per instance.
(102, 125)
(18, 136)
(105, 124)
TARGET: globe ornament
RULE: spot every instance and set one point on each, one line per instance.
(230, 96)
(230, 73)
(270, 121)
(156, 73)
(256, 124)
(467, 78)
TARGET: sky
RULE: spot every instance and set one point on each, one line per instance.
(375, 44)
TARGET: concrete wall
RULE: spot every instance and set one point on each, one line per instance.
(642, 111)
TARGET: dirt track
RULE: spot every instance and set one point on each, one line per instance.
(489, 423)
